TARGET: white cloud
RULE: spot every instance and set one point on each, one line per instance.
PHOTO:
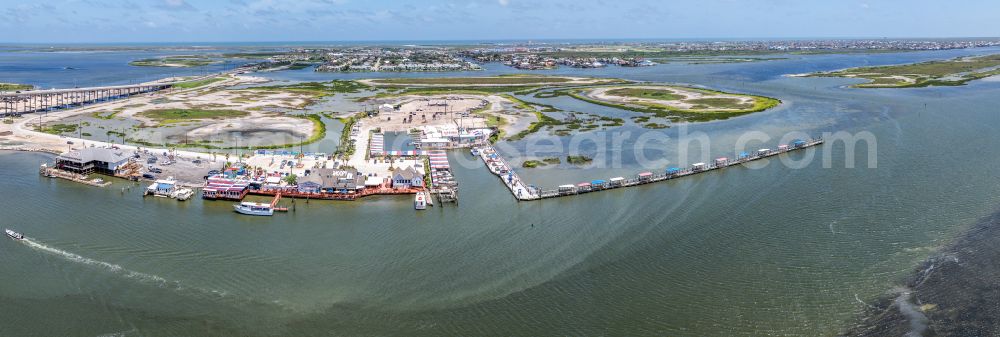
(176, 5)
(504, 2)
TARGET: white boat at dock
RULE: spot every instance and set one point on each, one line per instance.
(254, 208)
(183, 194)
(420, 201)
(167, 188)
(14, 235)
(163, 188)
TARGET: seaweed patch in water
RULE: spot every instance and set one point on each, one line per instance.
(954, 293)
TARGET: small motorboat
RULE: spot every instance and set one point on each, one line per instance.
(420, 201)
(254, 208)
(14, 235)
(474, 152)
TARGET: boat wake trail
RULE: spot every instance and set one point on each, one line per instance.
(150, 279)
(114, 268)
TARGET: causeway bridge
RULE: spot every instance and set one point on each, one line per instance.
(17, 103)
(28, 101)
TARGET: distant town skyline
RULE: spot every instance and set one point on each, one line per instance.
(109, 21)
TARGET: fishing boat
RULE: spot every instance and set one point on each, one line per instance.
(420, 201)
(14, 235)
(254, 208)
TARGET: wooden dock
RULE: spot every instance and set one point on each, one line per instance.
(498, 166)
(291, 193)
(52, 172)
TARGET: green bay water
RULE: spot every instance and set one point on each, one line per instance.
(742, 251)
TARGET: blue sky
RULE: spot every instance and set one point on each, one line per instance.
(82, 21)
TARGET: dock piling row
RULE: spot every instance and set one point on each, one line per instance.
(499, 166)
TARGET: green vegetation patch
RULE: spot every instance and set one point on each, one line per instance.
(183, 61)
(318, 89)
(57, 129)
(579, 160)
(539, 163)
(661, 94)
(198, 83)
(167, 116)
(15, 87)
(543, 119)
(253, 55)
(702, 109)
(714, 59)
(719, 103)
(953, 72)
(497, 80)
(300, 66)
(346, 146)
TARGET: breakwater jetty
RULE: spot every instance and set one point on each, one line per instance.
(525, 192)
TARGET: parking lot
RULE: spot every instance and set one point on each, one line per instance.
(187, 170)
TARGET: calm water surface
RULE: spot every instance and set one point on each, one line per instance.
(744, 251)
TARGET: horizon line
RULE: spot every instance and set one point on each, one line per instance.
(486, 40)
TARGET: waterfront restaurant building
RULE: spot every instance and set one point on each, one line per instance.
(407, 178)
(324, 180)
(93, 160)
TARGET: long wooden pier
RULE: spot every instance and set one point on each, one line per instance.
(499, 167)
